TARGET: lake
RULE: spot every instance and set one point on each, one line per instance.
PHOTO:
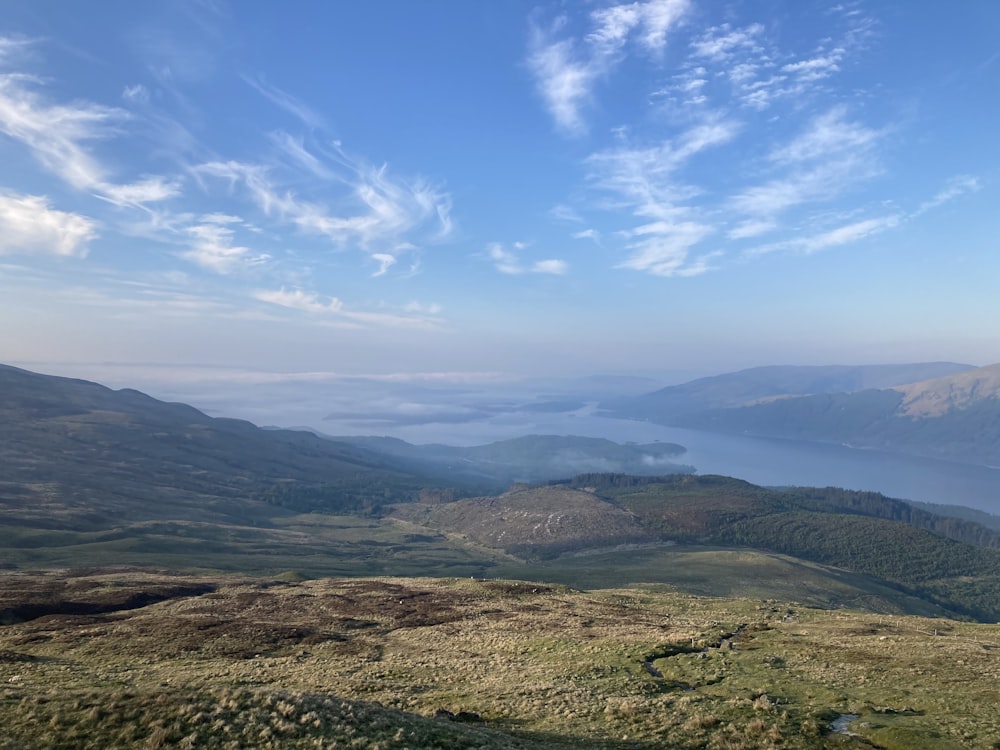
(764, 461)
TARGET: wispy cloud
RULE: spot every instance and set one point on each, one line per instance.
(842, 235)
(956, 187)
(508, 262)
(378, 212)
(828, 157)
(385, 262)
(566, 70)
(333, 311)
(290, 104)
(211, 246)
(647, 183)
(297, 299)
(136, 93)
(61, 137)
(28, 225)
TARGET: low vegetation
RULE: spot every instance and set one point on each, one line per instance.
(141, 660)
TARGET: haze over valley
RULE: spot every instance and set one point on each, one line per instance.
(522, 374)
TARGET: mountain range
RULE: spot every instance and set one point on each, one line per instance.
(940, 410)
(92, 476)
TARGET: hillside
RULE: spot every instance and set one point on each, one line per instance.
(126, 659)
(82, 456)
(949, 563)
(955, 417)
(531, 458)
(93, 477)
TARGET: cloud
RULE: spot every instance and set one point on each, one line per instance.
(553, 266)
(843, 235)
(384, 262)
(297, 299)
(563, 82)
(508, 263)
(828, 157)
(212, 247)
(301, 111)
(334, 310)
(722, 43)
(28, 226)
(377, 212)
(136, 194)
(137, 93)
(645, 182)
(751, 228)
(955, 188)
(59, 137)
(588, 234)
(56, 133)
(294, 148)
(663, 249)
(566, 70)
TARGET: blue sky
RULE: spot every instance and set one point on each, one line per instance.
(455, 189)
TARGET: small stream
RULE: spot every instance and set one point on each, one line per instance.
(839, 725)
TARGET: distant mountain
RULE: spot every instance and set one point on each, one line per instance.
(763, 384)
(531, 458)
(954, 416)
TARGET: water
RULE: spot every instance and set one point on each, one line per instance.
(763, 461)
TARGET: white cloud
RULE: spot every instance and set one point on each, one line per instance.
(645, 183)
(752, 228)
(333, 312)
(295, 148)
(828, 157)
(12, 48)
(150, 190)
(212, 247)
(297, 299)
(566, 70)
(553, 266)
(588, 234)
(55, 133)
(816, 68)
(381, 211)
(509, 263)
(287, 102)
(844, 235)
(829, 134)
(722, 43)
(384, 262)
(59, 136)
(663, 248)
(138, 94)
(29, 226)
(955, 188)
(563, 82)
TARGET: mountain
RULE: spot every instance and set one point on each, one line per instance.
(92, 477)
(954, 417)
(531, 458)
(763, 384)
(74, 454)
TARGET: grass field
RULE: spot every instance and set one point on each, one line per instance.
(124, 659)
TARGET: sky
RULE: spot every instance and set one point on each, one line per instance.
(451, 190)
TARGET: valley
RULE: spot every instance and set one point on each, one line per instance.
(273, 588)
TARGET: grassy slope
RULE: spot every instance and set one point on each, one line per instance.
(225, 662)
